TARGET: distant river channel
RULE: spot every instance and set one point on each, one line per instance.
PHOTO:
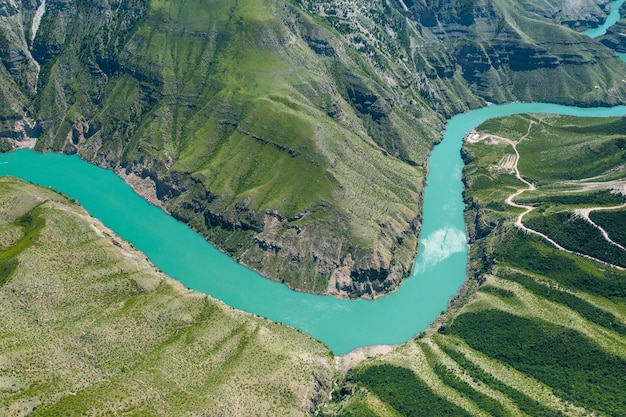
(438, 273)
(611, 19)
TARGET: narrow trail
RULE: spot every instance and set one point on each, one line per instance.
(584, 213)
(527, 209)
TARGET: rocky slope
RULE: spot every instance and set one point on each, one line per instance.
(294, 136)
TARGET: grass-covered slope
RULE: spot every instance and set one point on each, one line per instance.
(536, 330)
(89, 326)
(254, 123)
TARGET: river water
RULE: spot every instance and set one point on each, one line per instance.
(611, 19)
(343, 325)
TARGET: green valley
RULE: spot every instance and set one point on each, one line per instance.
(539, 328)
(294, 135)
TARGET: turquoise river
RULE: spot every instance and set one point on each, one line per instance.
(439, 270)
(342, 324)
(611, 19)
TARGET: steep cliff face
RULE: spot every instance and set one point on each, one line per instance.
(17, 73)
(293, 136)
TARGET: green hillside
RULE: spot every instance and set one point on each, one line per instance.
(536, 330)
(89, 326)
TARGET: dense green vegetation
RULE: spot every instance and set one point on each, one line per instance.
(405, 392)
(551, 292)
(578, 235)
(594, 198)
(615, 221)
(596, 147)
(525, 404)
(576, 368)
(450, 378)
(531, 254)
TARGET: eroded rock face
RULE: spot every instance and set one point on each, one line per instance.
(8, 8)
(24, 134)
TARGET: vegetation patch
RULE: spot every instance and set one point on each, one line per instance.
(563, 359)
(31, 224)
(525, 403)
(578, 235)
(553, 293)
(529, 253)
(613, 221)
(450, 378)
(405, 392)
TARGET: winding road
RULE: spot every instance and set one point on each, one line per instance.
(583, 213)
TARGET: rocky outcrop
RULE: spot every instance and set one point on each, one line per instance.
(8, 8)
(579, 15)
(23, 134)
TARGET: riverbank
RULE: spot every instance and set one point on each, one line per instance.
(89, 325)
(439, 271)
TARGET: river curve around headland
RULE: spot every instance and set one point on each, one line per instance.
(611, 19)
(440, 268)
(344, 325)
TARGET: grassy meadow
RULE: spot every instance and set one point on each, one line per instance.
(536, 331)
(89, 327)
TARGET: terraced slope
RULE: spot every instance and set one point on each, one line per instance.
(537, 330)
(89, 326)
